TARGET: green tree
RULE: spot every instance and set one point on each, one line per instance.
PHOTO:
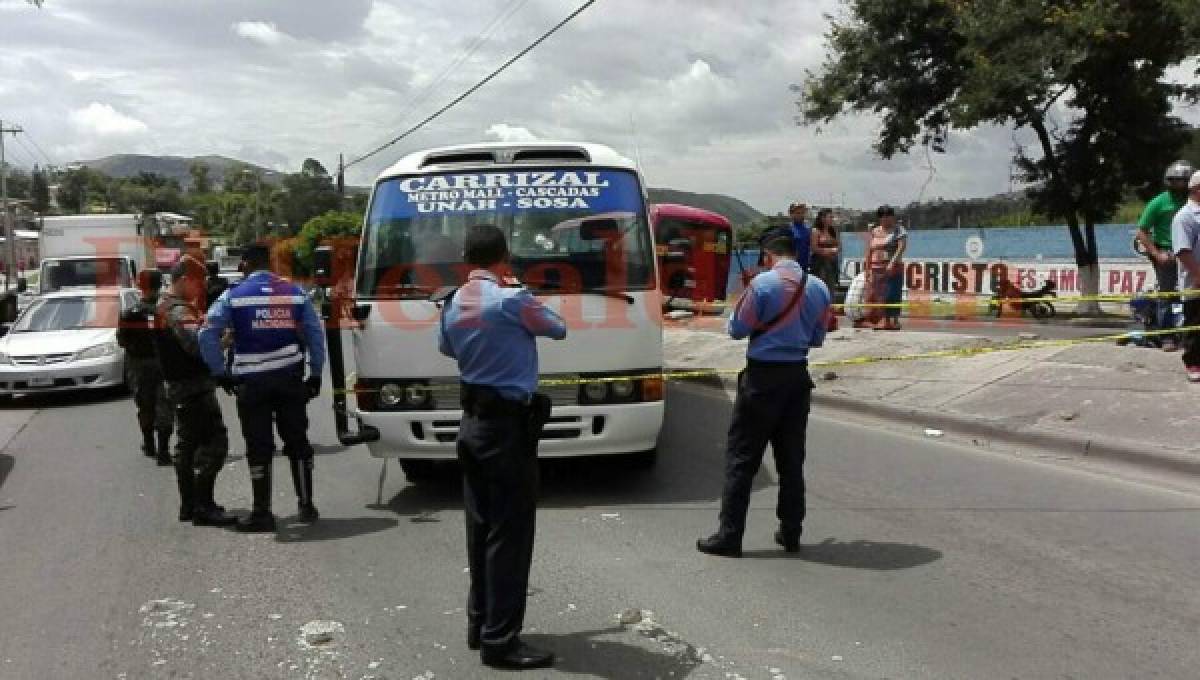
(201, 181)
(323, 227)
(307, 194)
(40, 191)
(1087, 77)
(73, 190)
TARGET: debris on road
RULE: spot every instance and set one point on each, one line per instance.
(1068, 415)
(1028, 336)
(931, 432)
(829, 375)
(629, 617)
(315, 634)
(610, 515)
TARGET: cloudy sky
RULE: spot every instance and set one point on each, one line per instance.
(697, 89)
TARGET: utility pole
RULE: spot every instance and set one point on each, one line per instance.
(10, 256)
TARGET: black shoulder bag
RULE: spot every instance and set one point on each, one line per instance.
(791, 305)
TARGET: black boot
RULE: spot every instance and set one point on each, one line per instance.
(208, 513)
(186, 479)
(148, 444)
(302, 479)
(260, 518)
(164, 448)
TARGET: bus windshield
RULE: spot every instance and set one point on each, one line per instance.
(567, 231)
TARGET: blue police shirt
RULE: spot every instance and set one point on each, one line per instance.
(490, 330)
(763, 300)
(274, 327)
(802, 240)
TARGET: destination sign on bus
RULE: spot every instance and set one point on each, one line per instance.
(511, 191)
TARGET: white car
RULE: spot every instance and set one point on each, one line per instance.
(66, 340)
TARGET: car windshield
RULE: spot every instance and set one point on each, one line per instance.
(566, 230)
(68, 313)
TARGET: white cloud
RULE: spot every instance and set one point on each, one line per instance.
(102, 119)
(510, 133)
(259, 31)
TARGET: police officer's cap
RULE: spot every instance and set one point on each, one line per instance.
(776, 239)
(257, 253)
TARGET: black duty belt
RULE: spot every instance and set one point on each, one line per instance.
(481, 401)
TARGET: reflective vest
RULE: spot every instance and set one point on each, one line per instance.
(266, 313)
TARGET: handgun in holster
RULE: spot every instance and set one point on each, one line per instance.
(539, 415)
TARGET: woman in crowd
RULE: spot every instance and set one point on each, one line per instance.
(825, 254)
(825, 249)
(884, 267)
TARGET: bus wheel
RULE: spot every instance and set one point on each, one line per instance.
(643, 460)
(417, 470)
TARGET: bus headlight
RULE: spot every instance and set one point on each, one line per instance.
(416, 396)
(622, 389)
(391, 395)
(595, 392)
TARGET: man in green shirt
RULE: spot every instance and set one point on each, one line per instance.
(1154, 235)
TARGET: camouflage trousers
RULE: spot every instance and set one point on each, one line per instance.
(202, 442)
(154, 409)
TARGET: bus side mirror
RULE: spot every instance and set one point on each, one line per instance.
(599, 229)
(323, 265)
(360, 312)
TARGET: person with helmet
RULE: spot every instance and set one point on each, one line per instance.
(203, 441)
(136, 335)
(274, 328)
(1154, 235)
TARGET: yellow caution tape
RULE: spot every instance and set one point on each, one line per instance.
(958, 353)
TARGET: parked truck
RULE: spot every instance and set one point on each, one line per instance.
(92, 251)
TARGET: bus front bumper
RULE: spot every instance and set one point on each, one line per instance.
(572, 431)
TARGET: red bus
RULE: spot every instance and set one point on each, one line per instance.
(693, 248)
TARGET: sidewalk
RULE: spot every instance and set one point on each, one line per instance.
(1094, 399)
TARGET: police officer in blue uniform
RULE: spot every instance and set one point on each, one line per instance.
(490, 330)
(784, 312)
(274, 327)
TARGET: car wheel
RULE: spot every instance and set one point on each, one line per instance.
(417, 470)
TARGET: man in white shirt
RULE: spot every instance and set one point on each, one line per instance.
(1185, 241)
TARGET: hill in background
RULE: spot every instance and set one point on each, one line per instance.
(736, 211)
(174, 167)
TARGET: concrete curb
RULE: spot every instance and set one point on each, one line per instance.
(1108, 448)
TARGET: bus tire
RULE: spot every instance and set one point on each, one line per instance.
(643, 460)
(417, 470)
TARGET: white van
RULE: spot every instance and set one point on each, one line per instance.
(605, 379)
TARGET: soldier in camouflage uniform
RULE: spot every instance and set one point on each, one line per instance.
(136, 334)
(203, 441)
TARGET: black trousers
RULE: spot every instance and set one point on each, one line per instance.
(771, 407)
(278, 398)
(498, 456)
(1191, 340)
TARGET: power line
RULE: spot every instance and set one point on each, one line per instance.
(39, 148)
(476, 43)
(475, 87)
(25, 150)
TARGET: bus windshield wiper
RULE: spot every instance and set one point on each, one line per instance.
(550, 288)
(618, 294)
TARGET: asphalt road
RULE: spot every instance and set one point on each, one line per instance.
(922, 559)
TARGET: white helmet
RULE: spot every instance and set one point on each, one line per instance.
(1179, 171)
